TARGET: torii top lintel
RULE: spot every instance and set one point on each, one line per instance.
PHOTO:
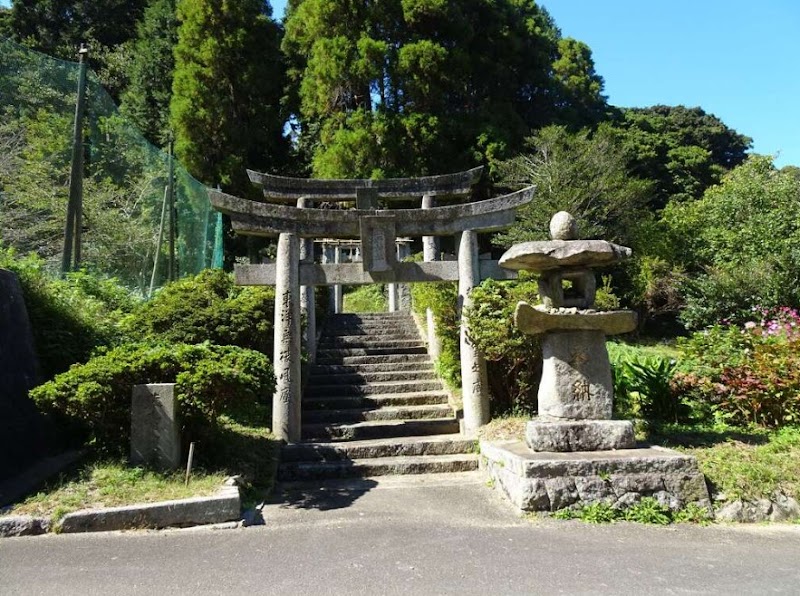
(262, 219)
(288, 189)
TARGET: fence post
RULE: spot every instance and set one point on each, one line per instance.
(72, 229)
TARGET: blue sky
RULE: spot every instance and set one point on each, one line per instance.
(737, 59)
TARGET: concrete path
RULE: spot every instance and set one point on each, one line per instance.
(438, 534)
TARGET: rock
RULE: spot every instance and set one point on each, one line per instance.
(784, 508)
(593, 489)
(627, 500)
(23, 525)
(668, 500)
(563, 226)
(745, 512)
(561, 492)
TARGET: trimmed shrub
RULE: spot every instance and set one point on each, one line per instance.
(207, 307)
(91, 402)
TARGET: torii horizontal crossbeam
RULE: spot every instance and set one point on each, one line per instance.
(262, 219)
(286, 188)
(313, 274)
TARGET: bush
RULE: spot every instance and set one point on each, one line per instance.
(748, 374)
(91, 402)
(643, 385)
(513, 358)
(207, 307)
(69, 317)
(442, 299)
(370, 298)
(729, 294)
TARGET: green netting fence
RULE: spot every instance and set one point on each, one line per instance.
(124, 183)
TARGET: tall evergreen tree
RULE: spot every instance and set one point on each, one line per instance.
(147, 98)
(225, 108)
(420, 86)
(58, 27)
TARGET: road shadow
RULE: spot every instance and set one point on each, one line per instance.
(323, 495)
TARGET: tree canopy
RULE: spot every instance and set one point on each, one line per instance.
(225, 107)
(411, 87)
(147, 97)
(685, 150)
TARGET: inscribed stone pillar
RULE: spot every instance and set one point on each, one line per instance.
(403, 291)
(338, 298)
(328, 258)
(473, 365)
(307, 306)
(286, 399)
(576, 376)
(393, 289)
(430, 253)
(155, 435)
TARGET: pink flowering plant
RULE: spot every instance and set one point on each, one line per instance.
(748, 374)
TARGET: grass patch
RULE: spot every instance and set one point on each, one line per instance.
(506, 428)
(114, 483)
(646, 511)
(242, 447)
(369, 298)
(644, 349)
(745, 464)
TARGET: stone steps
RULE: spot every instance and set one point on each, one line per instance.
(340, 355)
(423, 412)
(426, 445)
(373, 406)
(368, 342)
(379, 429)
(374, 388)
(389, 358)
(415, 363)
(406, 464)
(343, 402)
(354, 378)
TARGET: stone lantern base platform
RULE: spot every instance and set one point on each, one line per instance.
(549, 481)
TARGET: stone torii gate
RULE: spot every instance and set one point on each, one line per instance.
(295, 273)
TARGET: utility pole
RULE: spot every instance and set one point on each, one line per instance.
(73, 227)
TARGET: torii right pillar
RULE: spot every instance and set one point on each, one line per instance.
(473, 365)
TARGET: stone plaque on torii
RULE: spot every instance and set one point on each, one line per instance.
(378, 230)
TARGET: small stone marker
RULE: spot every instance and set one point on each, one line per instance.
(155, 434)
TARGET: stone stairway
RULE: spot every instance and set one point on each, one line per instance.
(373, 406)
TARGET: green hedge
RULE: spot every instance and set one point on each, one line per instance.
(207, 307)
(91, 402)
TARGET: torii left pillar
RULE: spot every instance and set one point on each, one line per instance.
(286, 399)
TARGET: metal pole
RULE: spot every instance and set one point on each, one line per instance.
(72, 229)
(173, 269)
(158, 243)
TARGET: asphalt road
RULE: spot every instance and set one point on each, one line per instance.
(429, 536)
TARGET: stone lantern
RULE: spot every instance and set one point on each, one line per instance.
(576, 391)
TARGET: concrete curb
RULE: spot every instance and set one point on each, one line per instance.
(223, 507)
